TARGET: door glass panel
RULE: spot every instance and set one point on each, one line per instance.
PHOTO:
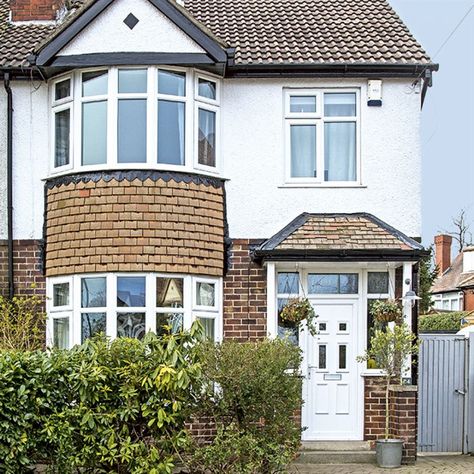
(61, 333)
(131, 291)
(131, 131)
(343, 327)
(131, 325)
(61, 294)
(169, 292)
(377, 282)
(132, 81)
(342, 356)
(171, 124)
(322, 327)
(288, 283)
(340, 105)
(94, 83)
(302, 104)
(207, 138)
(175, 320)
(209, 327)
(322, 351)
(92, 324)
(171, 82)
(94, 133)
(303, 151)
(62, 125)
(93, 292)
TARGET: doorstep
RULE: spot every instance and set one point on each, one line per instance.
(335, 452)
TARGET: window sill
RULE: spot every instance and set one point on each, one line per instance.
(373, 373)
(322, 185)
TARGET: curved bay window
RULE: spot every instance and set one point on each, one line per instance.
(146, 117)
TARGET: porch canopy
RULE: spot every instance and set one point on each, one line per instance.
(339, 237)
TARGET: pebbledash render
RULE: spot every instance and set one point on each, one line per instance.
(165, 162)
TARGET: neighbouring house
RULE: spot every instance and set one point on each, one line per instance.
(210, 159)
(453, 290)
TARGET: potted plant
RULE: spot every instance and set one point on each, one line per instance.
(386, 311)
(390, 347)
(297, 310)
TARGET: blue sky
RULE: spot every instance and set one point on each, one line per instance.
(447, 134)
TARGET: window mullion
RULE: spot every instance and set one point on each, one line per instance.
(112, 117)
(152, 117)
(111, 301)
(150, 302)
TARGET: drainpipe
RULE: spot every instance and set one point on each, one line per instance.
(6, 83)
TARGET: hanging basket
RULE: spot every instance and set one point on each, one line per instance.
(297, 310)
(386, 311)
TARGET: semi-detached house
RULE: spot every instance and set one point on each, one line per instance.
(209, 159)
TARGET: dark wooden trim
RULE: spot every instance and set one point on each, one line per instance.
(217, 53)
(121, 59)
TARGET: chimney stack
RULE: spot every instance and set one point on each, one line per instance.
(443, 252)
(34, 10)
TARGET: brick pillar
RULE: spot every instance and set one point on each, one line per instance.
(443, 252)
(374, 408)
(404, 419)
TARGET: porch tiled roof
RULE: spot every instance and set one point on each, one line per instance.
(356, 233)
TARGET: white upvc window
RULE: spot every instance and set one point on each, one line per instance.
(135, 117)
(130, 305)
(449, 301)
(322, 136)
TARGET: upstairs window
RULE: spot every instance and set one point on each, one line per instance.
(146, 117)
(322, 136)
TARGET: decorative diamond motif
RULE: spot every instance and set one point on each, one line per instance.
(131, 21)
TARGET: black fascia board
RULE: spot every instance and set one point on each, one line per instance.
(385, 70)
(44, 57)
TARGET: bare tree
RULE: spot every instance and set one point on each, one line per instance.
(461, 233)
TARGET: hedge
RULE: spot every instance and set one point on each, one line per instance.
(441, 321)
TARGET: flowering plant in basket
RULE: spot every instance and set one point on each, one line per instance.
(386, 311)
(297, 310)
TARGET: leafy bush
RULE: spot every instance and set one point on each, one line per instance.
(441, 321)
(106, 406)
(22, 322)
(253, 392)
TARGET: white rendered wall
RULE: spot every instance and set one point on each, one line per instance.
(30, 158)
(3, 163)
(253, 154)
(153, 33)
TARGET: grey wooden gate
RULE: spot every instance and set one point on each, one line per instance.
(442, 386)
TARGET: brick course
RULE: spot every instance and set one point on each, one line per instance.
(245, 295)
(134, 225)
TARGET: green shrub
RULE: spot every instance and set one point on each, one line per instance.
(22, 322)
(253, 393)
(117, 406)
(441, 321)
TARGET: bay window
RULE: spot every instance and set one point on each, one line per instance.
(322, 136)
(130, 305)
(124, 117)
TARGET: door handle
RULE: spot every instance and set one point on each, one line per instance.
(459, 392)
(309, 370)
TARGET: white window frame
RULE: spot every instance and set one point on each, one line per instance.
(191, 100)
(317, 118)
(74, 312)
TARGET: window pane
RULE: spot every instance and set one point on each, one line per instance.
(340, 151)
(92, 324)
(207, 89)
(333, 283)
(61, 294)
(303, 151)
(288, 283)
(132, 131)
(205, 294)
(175, 320)
(303, 104)
(171, 123)
(94, 83)
(62, 126)
(342, 356)
(209, 327)
(94, 133)
(132, 81)
(131, 291)
(207, 138)
(348, 283)
(169, 292)
(377, 282)
(61, 333)
(171, 82)
(340, 105)
(62, 89)
(131, 325)
(286, 329)
(322, 357)
(93, 292)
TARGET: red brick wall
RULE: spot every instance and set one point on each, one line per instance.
(469, 299)
(374, 408)
(245, 295)
(23, 10)
(26, 267)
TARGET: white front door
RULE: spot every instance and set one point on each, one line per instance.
(333, 402)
